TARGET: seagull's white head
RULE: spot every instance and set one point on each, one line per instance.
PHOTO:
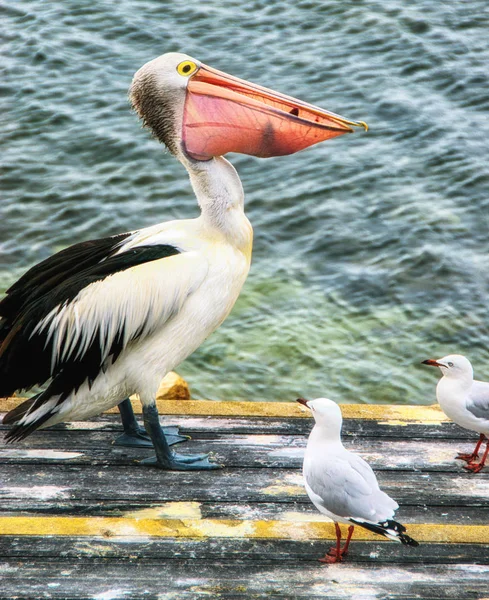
(326, 413)
(455, 366)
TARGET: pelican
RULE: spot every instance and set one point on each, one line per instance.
(108, 318)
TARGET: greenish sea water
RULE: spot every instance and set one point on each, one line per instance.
(371, 250)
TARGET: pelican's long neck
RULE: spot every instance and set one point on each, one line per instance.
(221, 199)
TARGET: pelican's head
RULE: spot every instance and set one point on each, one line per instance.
(326, 413)
(200, 112)
(453, 365)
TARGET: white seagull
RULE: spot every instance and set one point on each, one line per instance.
(108, 318)
(465, 400)
(341, 485)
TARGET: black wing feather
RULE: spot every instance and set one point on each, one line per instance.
(25, 356)
(48, 274)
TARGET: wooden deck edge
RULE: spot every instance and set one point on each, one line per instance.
(112, 527)
(390, 413)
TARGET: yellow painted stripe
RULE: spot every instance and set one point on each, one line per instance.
(109, 527)
(389, 413)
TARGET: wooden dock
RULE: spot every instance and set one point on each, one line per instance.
(80, 519)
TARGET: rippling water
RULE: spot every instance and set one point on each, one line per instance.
(371, 250)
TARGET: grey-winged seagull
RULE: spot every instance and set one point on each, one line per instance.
(465, 400)
(342, 485)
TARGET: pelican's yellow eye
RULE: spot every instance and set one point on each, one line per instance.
(186, 68)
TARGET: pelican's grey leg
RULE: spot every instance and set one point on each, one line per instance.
(135, 436)
(165, 457)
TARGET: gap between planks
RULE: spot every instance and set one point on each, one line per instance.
(110, 527)
(391, 413)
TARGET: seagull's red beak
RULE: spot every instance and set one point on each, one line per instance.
(225, 114)
(432, 363)
(302, 401)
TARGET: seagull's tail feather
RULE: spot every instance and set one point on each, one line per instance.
(29, 416)
(390, 529)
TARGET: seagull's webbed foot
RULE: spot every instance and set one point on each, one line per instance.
(336, 553)
(135, 436)
(331, 557)
(165, 457)
(467, 457)
(474, 467)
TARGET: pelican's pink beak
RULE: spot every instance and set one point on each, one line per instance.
(225, 114)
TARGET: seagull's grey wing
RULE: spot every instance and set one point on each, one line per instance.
(478, 400)
(345, 492)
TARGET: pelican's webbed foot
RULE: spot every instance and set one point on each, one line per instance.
(165, 457)
(183, 462)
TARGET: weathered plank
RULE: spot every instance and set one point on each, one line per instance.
(470, 515)
(173, 580)
(252, 450)
(264, 551)
(195, 527)
(208, 426)
(111, 528)
(109, 482)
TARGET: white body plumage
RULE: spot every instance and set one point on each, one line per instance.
(109, 317)
(463, 399)
(176, 301)
(340, 484)
(348, 477)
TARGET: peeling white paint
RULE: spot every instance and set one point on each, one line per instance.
(86, 425)
(111, 594)
(6, 568)
(168, 510)
(47, 454)
(291, 484)
(288, 453)
(256, 440)
(294, 517)
(476, 486)
(40, 492)
(473, 568)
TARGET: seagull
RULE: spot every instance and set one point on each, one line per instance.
(464, 400)
(108, 318)
(342, 486)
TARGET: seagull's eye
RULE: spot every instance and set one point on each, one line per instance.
(450, 364)
(186, 68)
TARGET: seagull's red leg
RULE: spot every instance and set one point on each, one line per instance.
(334, 554)
(475, 454)
(476, 467)
(344, 550)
